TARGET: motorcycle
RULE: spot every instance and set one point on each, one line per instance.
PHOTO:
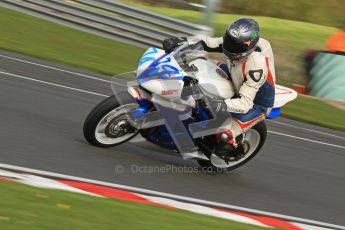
(170, 109)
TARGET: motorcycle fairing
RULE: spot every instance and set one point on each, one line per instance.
(161, 74)
(156, 65)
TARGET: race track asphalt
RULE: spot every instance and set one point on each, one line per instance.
(41, 128)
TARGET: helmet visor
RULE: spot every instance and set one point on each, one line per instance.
(233, 45)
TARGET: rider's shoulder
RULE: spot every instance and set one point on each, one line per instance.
(263, 43)
(256, 60)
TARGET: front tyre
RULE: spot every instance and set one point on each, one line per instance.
(108, 124)
(253, 141)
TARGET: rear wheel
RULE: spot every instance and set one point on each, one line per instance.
(108, 124)
(254, 139)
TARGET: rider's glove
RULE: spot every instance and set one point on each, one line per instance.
(170, 44)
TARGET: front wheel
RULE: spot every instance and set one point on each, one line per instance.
(254, 139)
(108, 124)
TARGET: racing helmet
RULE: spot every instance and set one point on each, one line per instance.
(241, 39)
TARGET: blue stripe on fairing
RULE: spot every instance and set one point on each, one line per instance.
(145, 59)
(164, 71)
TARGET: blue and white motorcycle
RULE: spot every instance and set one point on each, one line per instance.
(184, 81)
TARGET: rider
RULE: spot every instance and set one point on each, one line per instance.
(250, 66)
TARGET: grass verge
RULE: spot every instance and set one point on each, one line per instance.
(39, 38)
(315, 112)
(46, 40)
(321, 12)
(26, 207)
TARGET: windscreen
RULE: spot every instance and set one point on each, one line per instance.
(187, 53)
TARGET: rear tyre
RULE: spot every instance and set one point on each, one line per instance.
(253, 142)
(107, 124)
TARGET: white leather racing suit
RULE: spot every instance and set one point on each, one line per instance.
(253, 79)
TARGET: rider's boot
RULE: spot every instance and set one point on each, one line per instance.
(228, 147)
